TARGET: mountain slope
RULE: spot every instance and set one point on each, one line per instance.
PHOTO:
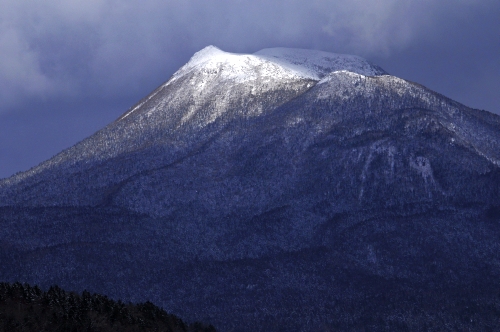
(217, 92)
(280, 179)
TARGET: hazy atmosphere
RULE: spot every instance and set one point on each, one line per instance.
(70, 67)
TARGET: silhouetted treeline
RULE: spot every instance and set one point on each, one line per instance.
(27, 308)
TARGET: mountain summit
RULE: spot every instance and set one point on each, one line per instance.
(285, 189)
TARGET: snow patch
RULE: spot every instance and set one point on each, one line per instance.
(275, 63)
(423, 166)
(317, 64)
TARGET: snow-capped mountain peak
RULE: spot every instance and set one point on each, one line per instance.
(285, 63)
(212, 73)
(215, 63)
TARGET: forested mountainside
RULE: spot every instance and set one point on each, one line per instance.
(286, 189)
(27, 308)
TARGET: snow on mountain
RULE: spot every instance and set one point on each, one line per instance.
(276, 63)
(217, 90)
(238, 67)
(316, 64)
(263, 71)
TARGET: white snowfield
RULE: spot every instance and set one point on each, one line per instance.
(275, 63)
(266, 70)
(316, 64)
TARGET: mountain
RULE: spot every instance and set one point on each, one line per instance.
(282, 190)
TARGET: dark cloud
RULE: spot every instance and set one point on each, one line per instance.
(66, 63)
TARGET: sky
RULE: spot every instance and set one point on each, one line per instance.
(69, 67)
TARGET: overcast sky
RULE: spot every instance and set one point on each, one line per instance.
(69, 67)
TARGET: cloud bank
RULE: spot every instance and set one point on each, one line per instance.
(108, 48)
